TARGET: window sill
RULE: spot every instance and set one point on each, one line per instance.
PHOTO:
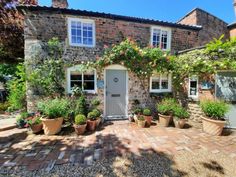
(81, 45)
(160, 91)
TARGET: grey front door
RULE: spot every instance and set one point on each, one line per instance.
(116, 90)
(226, 90)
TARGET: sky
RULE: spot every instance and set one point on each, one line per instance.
(167, 10)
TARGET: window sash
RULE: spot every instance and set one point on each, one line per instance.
(161, 38)
(160, 78)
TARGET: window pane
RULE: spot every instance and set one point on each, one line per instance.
(156, 37)
(193, 88)
(164, 39)
(90, 41)
(88, 85)
(73, 31)
(75, 76)
(73, 39)
(76, 84)
(156, 82)
(164, 81)
(78, 40)
(90, 34)
(89, 77)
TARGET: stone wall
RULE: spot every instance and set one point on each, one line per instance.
(195, 112)
(212, 27)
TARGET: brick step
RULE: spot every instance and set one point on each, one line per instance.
(13, 134)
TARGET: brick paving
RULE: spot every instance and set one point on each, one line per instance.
(112, 139)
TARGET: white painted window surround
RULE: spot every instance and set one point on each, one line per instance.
(161, 37)
(81, 32)
(86, 80)
(161, 83)
(193, 87)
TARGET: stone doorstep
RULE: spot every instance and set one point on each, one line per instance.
(8, 127)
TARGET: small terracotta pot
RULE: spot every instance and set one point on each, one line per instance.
(148, 120)
(141, 123)
(98, 121)
(179, 123)
(164, 120)
(80, 129)
(131, 118)
(36, 128)
(213, 127)
(52, 126)
(91, 125)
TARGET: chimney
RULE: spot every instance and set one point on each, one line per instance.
(60, 4)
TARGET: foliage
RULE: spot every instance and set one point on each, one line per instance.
(54, 108)
(80, 119)
(147, 112)
(92, 115)
(180, 112)
(81, 107)
(47, 75)
(141, 118)
(7, 70)
(166, 106)
(17, 89)
(4, 106)
(95, 102)
(215, 109)
(21, 119)
(138, 111)
(35, 121)
(96, 112)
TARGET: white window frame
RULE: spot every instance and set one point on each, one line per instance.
(76, 69)
(161, 90)
(195, 97)
(82, 21)
(168, 36)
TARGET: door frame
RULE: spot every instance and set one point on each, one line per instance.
(117, 67)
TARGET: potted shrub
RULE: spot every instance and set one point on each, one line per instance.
(214, 121)
(54, 111)
(21, 120)
(98, 116)
(148, 116)
(141, 121)
(137, 112)
(80, 124)
(35, 124)
(165, 111)
(180, 116)
(91, 122)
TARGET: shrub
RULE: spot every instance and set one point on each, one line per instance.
(92, 116)
(80, 119)
(4, 106)
(215, 109)
(141, 118)
(35, 121)
(138, 111)
(166, 106)
(81, 107)
(147, 112)
(96, 112)
(180, 113)
(54, 108)
(95, 102)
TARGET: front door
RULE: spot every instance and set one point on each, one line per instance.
(116, 90)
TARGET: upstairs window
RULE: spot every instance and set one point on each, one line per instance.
(160, 83)
(161, 38)
(81, 32)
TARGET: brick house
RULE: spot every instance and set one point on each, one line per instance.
(84, 35)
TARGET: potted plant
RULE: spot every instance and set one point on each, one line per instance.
(35, 124)
(91, 122)
(165, 111)
(54, 111)
(180, 116)
(80, 124)
(98, 116)
(148, 116)
(21, 120)
(214, 121)
(141, 121)
(137, 112)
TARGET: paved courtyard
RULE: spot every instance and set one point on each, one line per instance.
(113, 139)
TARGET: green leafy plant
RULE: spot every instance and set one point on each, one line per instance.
(138, 111)
(35, 121)
(92, 116)
(147, 112)
(141, 118)
(215, 109)
(97, 112)
(54, 108)
(81, 107)
(80, 119)
(166, 106)
(4, 106)
(180, 113)
(95, 102)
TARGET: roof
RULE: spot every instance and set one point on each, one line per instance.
(107, 15)
(191, 49)
(199, 9)
(232, 25)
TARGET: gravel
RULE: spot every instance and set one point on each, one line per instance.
(148, 164)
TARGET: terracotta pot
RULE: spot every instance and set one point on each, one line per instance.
(148, 120)
(131, 118)
(98, 121)
(52, 126)
(136, 118)
(91, 125)
(141, 123)
(213, 127)
(164, 120)
(80, 129)
(179, 123)
(36, 128)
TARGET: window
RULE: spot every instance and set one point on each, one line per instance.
(160, 83)
(81, 32)
(161, 37)
(85, 80)
(193, 87)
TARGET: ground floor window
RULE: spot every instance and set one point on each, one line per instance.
(86, 80)
(193, 87)
(160, 83)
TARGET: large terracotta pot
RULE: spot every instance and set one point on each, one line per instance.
(36, 128)
(141, 123)
(52, 126)
(80, 129)
(179, 123)
(136, 118)
(213, 127)
(148, 120)
(164, 120)
(98, 121)
(91, 125)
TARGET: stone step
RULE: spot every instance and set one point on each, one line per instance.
(7, 123)
(13, 134)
